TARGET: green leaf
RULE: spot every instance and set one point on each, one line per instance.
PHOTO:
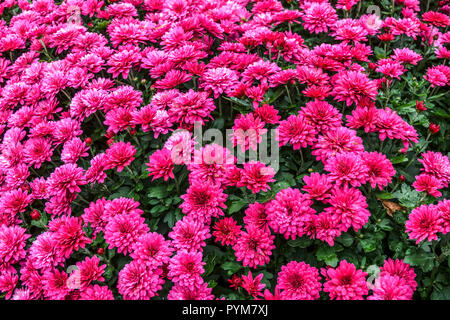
(159, 192)
(302, 242)
(384, 195)
(419, 258)
(346, 240)
(443, 294)
(327, 255)
(231, 267)
(236, 206)
(399, 159)
(368, 244)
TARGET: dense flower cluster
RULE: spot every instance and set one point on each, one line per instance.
(106, 192)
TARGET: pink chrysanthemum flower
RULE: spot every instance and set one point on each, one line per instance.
(406, 55)
(120, 155)
(55, 284)
(254, 247)
(336, 141)
(444, 209)
(253, 286)
(73, 150)
(190, 107)
(118, 119)
(203, 200)
(247, 132)
(317, 186)
(324, 227)
(121, 206)
(347, 168)
(289, 213)
(45, 253)
(390, 68)
(345, 282)
(200, 292)
(160, 165)
(8, 282)
(36, 151)
(321, 115)
(380, 168)
(437, 77)
(186, 268)
(348, 208)
(256, 176)
(363, 117)
(123, 230)
(429, 184)
(90, 270)
(189, 234)
(436, 164)
(69, 234)
(267, 114)
(226, 231)
(219, 81)
(96, 173)
(388, 287)
(424, 222)
(94, 215)
(299, 281)
(400, 269)
(152, 249)
(96, 292)
(66, 178)
(256, 215)
(138, 282)
(317, 17)
(354, 86)
(297, 131)
(12, 245)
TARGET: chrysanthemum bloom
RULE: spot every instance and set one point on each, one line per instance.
(226, 231)
(267, 113)
(123, 230)
(390, 68)
(388, 287)
(22, 294)
(260, 71)
(138, 282)
(123, 60)
(424, 222)
(256, 176)
(120, 155)
(186, 268)
(318, 16)
(247, 132)
(73, 150)
(289, 213)
(336, 141)
(55, 286)
(297, 131)
(90, 270)
(211, 163)
(160, 165)
(353, 86)
(429, 184)
(203, 200)
(380, 168)
(200, 292)
(96, 173)
(400, 269)
(348, 208)
(436, 77)
(436, 164)
(347, 168)
(256, 215)
(37, 151)
(345, 282)
(118, 119)
(437, 19)
(12, 245)
(66, 178)
(66, 129)
(254, 247)
(152, 249)
(219, 81)
(317, 186)
(406, 55)
(444, 209)
(299, 281)
(96, 292)
(121, 206)
(190, 107)
(324, 227)
(94, 216)
(8, 282)
(181, 146)
(253, 286)
(45, 253)
(321, 115)
(189, 234)
(69, 234)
